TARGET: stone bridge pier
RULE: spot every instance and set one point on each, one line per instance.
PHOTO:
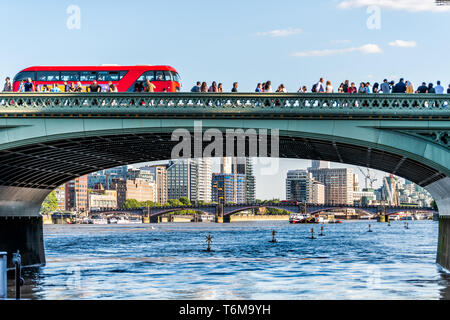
(440, 191)
(21, 225)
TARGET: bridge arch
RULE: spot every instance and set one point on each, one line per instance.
(44, 144)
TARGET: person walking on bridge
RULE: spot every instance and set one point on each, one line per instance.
(8, 86)
(346, 86)
(29, 86)
(149, 86)
(423, 88)
(439, 89)
(320, 88)
(409, 87)
(196, 88)
(352, 88)
(94, 87)
(385, 87)
(213, 87)
(400, 87)
(448, 90)
(235, 87)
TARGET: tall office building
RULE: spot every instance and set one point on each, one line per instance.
(338, 183)
(299, 186)
(189, 178)
(243, 166)
(159, 173)
(105, 177)
(76, 194)
(137, 189)
(317, 164)
(318, 192)
(229, 188)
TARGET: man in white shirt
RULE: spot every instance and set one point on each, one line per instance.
(320, 86)
(439, 89)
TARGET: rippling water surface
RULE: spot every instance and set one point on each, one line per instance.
(169, 261)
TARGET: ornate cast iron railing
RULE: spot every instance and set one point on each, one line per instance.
(148, 104)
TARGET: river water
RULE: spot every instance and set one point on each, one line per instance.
(170, 261)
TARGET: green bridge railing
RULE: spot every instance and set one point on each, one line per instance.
(309, 104)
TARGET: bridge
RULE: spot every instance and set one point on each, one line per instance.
(310, 208)
(48, 139)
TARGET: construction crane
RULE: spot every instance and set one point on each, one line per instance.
(368, 177)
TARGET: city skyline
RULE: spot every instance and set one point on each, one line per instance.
(270, 186)
(277, 189)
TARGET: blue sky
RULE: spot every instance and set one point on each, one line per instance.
(291, 42)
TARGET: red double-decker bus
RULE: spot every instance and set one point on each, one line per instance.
(126, 78)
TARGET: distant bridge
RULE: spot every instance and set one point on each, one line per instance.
(47, 139)
(230, 209)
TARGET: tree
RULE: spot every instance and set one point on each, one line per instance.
(148, 204)
(174, 203)
(131, 204)
(185, 201)
(50, 204)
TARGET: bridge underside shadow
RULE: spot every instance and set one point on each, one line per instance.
(29, 172)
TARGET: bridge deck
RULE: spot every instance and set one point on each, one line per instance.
(223, 105)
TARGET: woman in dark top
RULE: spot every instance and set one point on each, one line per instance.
(375, 88)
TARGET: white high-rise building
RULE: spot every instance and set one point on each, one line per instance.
(204, 179)
(227, 165)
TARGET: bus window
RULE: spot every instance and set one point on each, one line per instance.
(24, 76)
(88, 76)
(167, 75)
(70, 76)
(47, 76)
(159, 76)
(175, 77)
(150, 75)
(123, 74)
(108, 76)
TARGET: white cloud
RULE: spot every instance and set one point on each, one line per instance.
(280, 32)
(403, 44)
(407, 5)
(366, 49)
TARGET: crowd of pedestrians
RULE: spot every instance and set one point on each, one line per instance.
(385, 87)
(203, 87)
(321, 86)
